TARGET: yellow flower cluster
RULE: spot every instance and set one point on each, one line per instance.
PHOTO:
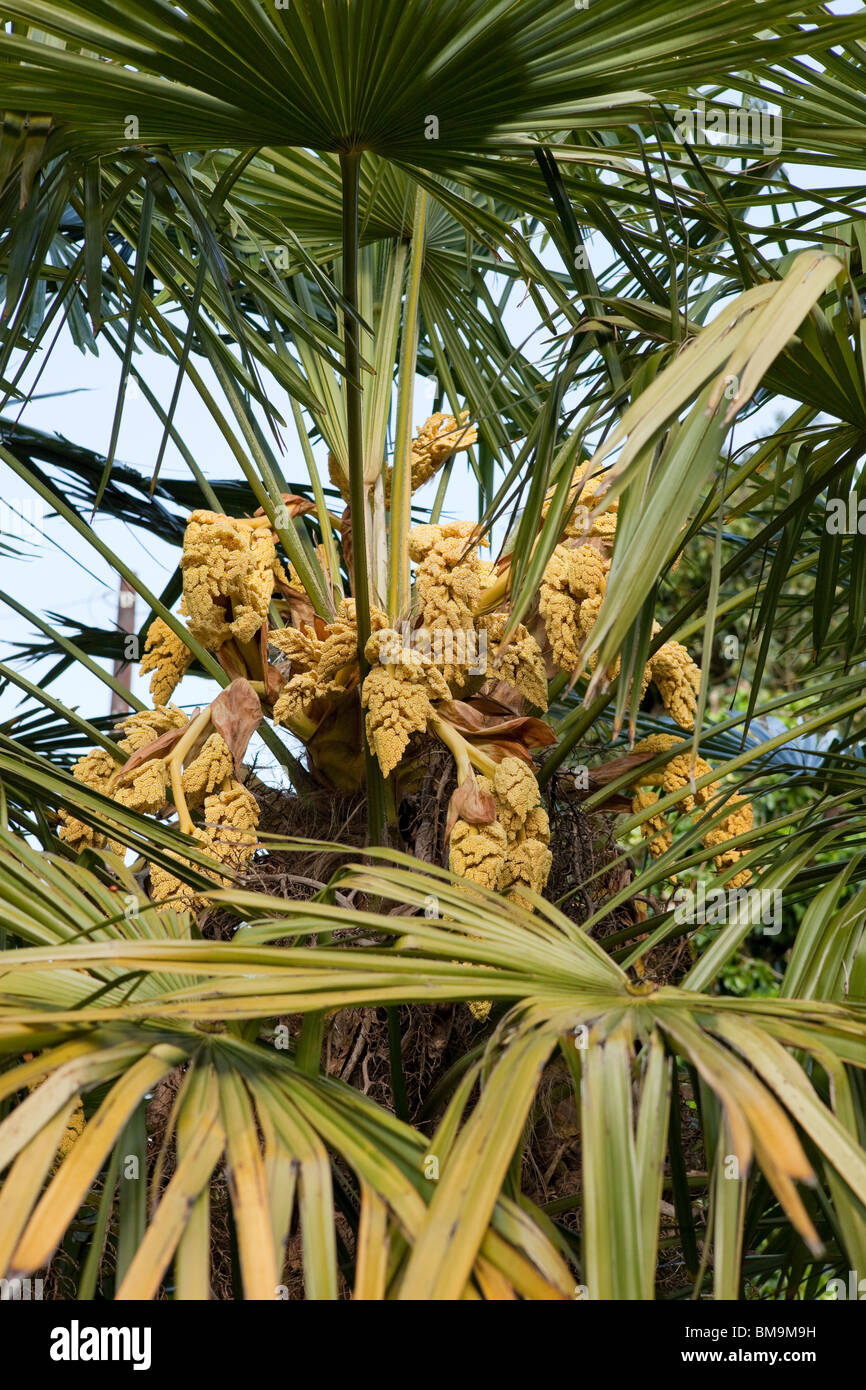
(448, 581)
(517, 794)
(572, 591)
(440, 436)
(673, 776)
(207, 771)
(512, 852)
(338, 477)
(397, 696)
(527, 826)
(75, 1125)
(295, 700)
(585, 498)
(337, 666)
(509, 854)
(228, 577)
(168, 657)
(144, 726)
(678, 680)
(231, 812)
(569, 600)
(449, 574)
(738, 822)
(301, 647)
(477, 852)
(320, 666)
(143, 790)
(228, 836)
(229, 567)
(94, 770)
(521, 665)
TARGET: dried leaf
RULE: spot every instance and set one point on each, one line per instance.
(467, 718)
(491, 703)
(236, 714)
(497, 749)
(157, 748)
(231, 661)
(602, 776)
(609, 772)
(508, 696)
(300, 608)
(474, 724)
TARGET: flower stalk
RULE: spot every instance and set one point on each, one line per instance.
(465, 754)
(174, 762)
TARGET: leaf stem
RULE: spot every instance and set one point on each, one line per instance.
(401, 477)
(350, 171)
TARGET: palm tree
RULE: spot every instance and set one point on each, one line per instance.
(320, 203)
